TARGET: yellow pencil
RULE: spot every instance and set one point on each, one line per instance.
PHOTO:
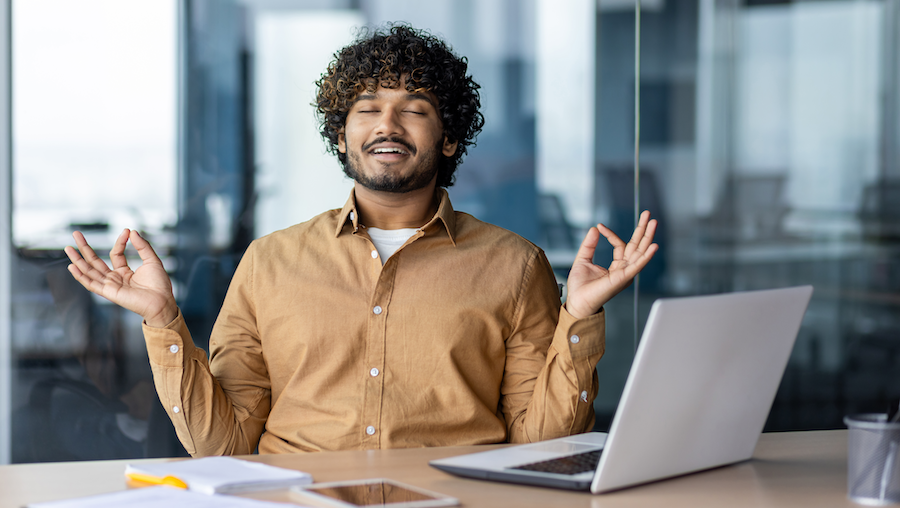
(156, 480)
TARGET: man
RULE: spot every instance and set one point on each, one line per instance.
(395, 321)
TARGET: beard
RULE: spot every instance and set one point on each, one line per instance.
(420, 177)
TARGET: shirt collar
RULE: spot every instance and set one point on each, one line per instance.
(348, 213)
(445, 215)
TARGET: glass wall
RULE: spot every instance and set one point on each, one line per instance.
(94, 148)
(770, 153)
(770, 133)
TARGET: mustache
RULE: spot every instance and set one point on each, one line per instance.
(399, 141)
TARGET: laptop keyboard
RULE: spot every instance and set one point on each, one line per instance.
(570, 465)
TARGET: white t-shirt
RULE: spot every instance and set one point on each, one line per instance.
(387, 241)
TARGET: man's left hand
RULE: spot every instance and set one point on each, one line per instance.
(591, 286)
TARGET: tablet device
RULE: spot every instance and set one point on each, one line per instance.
(374, 492)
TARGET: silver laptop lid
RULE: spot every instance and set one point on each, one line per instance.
(701, 386)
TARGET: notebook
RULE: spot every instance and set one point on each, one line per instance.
(221, 475)
(698, 394)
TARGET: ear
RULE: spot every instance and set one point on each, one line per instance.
(449, 148)
(342, 142)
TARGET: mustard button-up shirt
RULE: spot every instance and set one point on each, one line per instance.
(458, 338)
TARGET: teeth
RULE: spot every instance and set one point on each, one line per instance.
(389, 150)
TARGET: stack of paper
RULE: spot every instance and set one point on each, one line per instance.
(157, 497)
(222, 475)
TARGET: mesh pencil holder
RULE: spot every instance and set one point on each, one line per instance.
(873, 459)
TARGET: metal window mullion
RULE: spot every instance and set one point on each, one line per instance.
(637, 154)
(6, 252)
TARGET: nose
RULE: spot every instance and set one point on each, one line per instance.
(389, 123)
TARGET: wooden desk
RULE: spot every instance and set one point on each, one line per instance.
(788, 469)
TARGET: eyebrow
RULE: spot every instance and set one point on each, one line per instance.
(409, 97)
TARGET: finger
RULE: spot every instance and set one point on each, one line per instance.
(144, 249)
(80, 276)
(117, 253)
(639, 233)
(585, 252)
(617, 243)
(89, 256)
(76, 259)
(72, 253)
(81, 260)
(86, 275)
(647, 239)
(635, 266)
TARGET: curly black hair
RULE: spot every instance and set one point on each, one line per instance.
(385, 57)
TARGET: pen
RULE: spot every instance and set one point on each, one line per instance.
(157, 480)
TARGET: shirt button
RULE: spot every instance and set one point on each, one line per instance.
(370, 430)
(374, 254)
(584, 396)
(377, 310)
(352, 216)
(176, 410)
(373, 372)
(173, 348)
(574, 339)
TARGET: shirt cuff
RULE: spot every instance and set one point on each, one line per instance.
(581, 337)
(167, 346)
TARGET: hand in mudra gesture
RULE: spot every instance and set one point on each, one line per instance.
(590, 286)
(146, 291)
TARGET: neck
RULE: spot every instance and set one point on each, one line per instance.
(389, 210)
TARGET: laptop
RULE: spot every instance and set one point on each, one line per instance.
(698, 394)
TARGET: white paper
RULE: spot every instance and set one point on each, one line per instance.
(211, 475)
(154, 497)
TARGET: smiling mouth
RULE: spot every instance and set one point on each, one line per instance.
(390, 147)
(390, 150)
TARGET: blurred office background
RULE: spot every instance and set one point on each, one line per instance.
(769, 151)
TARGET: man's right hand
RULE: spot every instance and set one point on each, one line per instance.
(146, 291)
